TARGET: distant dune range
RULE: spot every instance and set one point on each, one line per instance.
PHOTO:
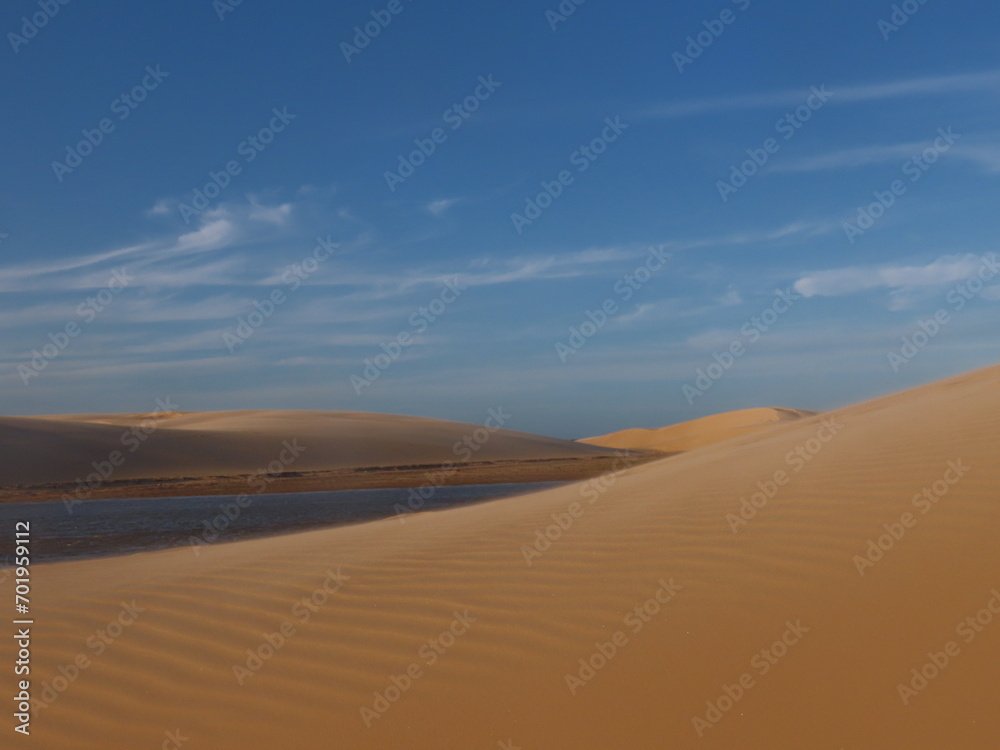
(214, 452)
(697, 433)
(195, 453)
(794, 632)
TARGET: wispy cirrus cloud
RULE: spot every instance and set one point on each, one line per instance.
(215, 234)
(161, 259)
(277, 215)
(796, 231)
(984, 153)
(162, 207)
(921, 86)
(65, 272)
(851, 157)
(837, 282)
(440, 207)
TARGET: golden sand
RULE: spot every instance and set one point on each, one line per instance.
(772, 591)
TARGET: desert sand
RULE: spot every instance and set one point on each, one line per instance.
(172, 453)
(706, 616)
(678, 438)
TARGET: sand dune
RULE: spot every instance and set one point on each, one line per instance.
(678, 438)
(60, 449)
(722, 625)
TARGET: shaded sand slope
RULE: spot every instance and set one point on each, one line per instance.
(698, 432)
(40, 450)
(835, 687)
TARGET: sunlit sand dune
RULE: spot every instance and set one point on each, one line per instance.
(686, 436)
(774, 591)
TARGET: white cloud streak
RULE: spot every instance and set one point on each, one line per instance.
(923, 86)
(841, 281)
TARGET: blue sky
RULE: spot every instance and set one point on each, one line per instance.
(635, 129)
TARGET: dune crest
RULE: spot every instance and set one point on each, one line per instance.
(697, 433)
